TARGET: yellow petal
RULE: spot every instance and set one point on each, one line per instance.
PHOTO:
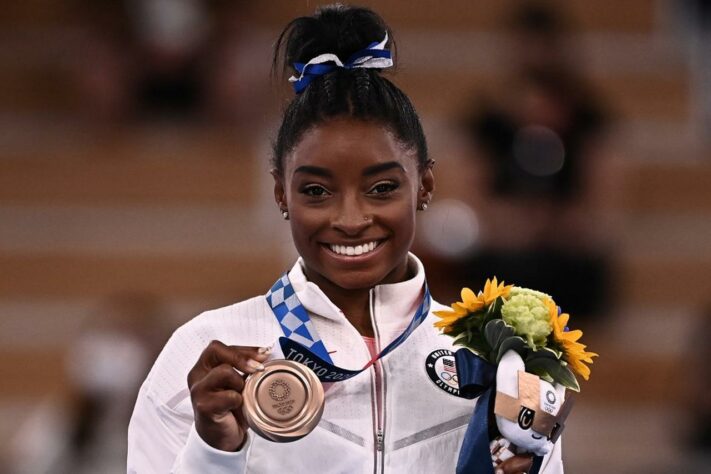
(493, 289)
(582, 369)
(468, 297)
(563, 319)
(443, 313)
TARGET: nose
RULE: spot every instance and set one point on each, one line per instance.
(350, 217)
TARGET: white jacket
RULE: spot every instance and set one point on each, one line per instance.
(422, 424)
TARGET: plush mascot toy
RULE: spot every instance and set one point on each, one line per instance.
(518, 358)
(530, 412)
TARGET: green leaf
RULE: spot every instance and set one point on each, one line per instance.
(564, 376)
(493, 311)
(480, 349)
(515, 343)
(553, 368)
(496, 331)
(558, 353)
(538, 365)
(539, 371)
(495, 307)
(543, 352)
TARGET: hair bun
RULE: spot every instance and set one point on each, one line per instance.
(335, 29)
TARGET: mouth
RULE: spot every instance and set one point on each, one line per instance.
(354, 250)
(536, 437)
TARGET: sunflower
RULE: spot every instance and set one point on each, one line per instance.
(493, 289)
(573, 351)
(471, 303)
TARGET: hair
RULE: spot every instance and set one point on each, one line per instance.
(360, 93)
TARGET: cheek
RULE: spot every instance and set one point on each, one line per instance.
(305, 224)
(403, 219)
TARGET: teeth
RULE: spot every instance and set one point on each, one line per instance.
(356, 250)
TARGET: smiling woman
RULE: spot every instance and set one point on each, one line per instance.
(351, 190)
(350, 170)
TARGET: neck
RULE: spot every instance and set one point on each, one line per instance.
(355, 303)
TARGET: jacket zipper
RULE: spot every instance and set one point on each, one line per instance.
(378, 396)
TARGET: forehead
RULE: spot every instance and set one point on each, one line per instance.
(348, 146)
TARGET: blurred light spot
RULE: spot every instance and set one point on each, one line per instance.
(538, 150)
(449, 227)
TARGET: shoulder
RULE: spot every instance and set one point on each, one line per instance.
(247, 323)
(230, 324)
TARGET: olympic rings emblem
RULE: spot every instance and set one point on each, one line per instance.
(446, 376)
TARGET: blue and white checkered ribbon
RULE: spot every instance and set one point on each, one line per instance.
(375, 56)
(303, 344)
(293, 317)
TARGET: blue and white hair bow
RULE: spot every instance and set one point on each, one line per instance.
(374, 56)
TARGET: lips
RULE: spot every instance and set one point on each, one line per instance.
(354, 250)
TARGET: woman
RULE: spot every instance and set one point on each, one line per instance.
(351, 169)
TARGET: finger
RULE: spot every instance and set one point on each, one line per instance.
(515, 465)
(217, 404)
(245, 358)
(223, 377)
(218, 353)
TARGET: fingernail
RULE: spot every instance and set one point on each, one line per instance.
(264, 350)
(253, 364)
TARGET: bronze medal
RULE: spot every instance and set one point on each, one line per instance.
(284, 402)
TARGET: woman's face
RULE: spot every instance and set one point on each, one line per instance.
(352, 190)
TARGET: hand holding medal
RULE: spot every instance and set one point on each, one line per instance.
(216, 392)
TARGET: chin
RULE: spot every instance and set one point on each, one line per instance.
(353, 280)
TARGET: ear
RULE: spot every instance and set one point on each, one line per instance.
(507, 373)
(279, 190)
(427, 184)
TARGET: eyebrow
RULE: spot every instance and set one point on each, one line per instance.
(369, 171)
(375, 169)
(317, 170)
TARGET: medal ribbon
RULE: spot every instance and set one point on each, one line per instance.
(302, 343)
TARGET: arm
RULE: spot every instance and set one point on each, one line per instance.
(162, 438)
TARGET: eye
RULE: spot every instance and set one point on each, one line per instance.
(384, 187)
(314, 190)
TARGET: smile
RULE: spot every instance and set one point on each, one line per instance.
(349, 250)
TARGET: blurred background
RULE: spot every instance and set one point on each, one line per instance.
(572, 147)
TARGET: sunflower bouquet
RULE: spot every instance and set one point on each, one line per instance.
(506, 317)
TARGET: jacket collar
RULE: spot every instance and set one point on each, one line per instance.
(394, 303)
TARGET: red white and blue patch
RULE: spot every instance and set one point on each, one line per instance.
(442, 370)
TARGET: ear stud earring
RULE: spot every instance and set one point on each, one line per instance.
(285, 215)
(423, 206)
